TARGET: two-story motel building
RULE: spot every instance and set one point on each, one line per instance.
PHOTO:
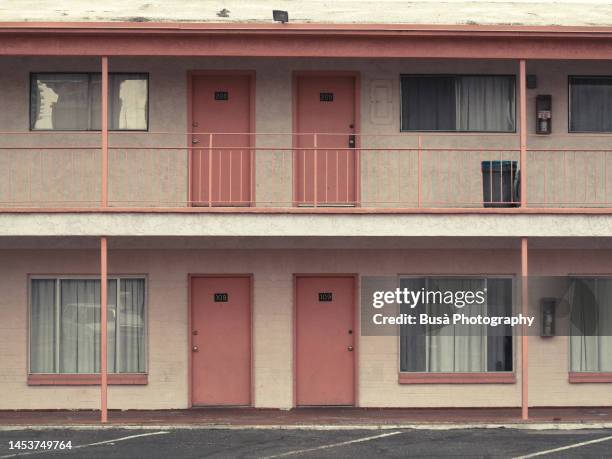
(218, 176)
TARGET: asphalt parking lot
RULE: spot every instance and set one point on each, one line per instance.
(271, 443)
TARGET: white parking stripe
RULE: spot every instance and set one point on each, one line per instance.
(563, 448)
(333, 445)
(105, 442)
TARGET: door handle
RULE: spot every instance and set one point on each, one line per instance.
(350, 348)
(351, 141)
(195, 348)
(194, 141)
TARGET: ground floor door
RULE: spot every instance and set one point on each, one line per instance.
(326, 164)
(221, 341)
(325, 340)
(221, 155)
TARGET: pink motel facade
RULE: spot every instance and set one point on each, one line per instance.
(201, 194)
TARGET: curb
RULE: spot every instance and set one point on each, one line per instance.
(331, 427)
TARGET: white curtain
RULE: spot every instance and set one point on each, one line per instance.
(131, 330)
(591, 325)
(66, 101)
(485, 103)
(79, 326)
(129, 102)
(457, 348)
(43, 339)
(69, 332)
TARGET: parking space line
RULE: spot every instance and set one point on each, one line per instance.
(105, 442)
(332, 445)
(563, 448)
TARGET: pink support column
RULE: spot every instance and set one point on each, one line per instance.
(104, 131)
(103, 335)
(103, 248)
(523, 129)
(524, 337)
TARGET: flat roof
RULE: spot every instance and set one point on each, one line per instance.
(586, 13)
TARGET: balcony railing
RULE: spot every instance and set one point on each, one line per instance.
(56, 170)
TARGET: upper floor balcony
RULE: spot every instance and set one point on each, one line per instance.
(339, 172)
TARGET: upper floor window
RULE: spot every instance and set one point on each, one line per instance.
(591, 325)
(461, 103)
(458, 348)
(590, 104)
(65, 325)
(71, 101)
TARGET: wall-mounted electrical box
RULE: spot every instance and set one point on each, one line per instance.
(548, 306)
(543, 114)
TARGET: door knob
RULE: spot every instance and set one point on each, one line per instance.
(351, 141)
(195, 349)
(194, 141)
(350, 348)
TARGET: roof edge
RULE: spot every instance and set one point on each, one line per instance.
(296, 28)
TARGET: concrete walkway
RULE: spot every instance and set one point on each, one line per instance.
(319, 418)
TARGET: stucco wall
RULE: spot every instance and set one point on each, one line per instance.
(148, 176)
(167, 272)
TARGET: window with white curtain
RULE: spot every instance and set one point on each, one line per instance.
(71, 101)
(590, 324)
(65, 325)
(462, 103)
(458, 348)
(590, 104)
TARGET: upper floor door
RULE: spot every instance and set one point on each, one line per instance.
(325, 172)
(221, 139)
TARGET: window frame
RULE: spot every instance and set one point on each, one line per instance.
(481, 377)
(456, 75)
(569, 105)
(86, 378)
(30, 118)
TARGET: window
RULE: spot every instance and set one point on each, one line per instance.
(462, 103)
(65, 326)
(590, 100)
(591, 325)
(71, 101)
(458, 348)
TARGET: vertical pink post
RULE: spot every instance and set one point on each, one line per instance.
(103, 337)
(523, 129)
(210, 165)
(316, 153)
(104, 131)
(420, 173)
(525, 336)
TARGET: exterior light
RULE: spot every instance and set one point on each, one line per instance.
(280, 16)
(548, 317)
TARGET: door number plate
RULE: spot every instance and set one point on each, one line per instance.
(221, 297)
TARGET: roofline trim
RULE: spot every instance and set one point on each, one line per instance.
(309, 28)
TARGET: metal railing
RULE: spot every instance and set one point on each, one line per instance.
(307, 171)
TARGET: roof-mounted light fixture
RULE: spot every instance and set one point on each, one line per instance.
(280, 16)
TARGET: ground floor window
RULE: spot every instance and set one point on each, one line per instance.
(590, 324)
(458, 348)
(65, 325)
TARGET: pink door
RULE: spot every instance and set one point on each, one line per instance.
(325, 340)
(326, 106)
(221, 341)
(221, 173)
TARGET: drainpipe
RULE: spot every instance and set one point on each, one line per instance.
(523, 130)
